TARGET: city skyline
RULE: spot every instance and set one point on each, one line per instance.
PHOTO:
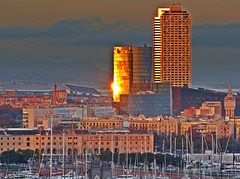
(33, 45)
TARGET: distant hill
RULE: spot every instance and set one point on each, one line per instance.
(44, 75)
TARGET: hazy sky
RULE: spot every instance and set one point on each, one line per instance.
(140, 12)
(72, 31)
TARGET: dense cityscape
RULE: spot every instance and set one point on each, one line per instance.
(152, 123)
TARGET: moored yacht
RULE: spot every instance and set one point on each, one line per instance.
(127, 176)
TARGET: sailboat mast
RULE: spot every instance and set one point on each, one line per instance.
(145, 144)
(63, 153)
(216, 140)
(202, 146)
(127, 154)
(155, 172)
(175, 147)
(82, 139)
(187, 146)
(170, 143)
(86, 163)
(182, 154)
(163, 146)
(212, 154)
(112, 155)
(72, 151)
(99, 143)
(51, 156)
(39, 153)
(234, 142)
(191, 142)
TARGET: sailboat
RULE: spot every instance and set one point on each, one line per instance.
(186, 177)
(125, 176)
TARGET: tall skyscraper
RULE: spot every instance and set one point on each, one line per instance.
(172, 46)
(131, 65)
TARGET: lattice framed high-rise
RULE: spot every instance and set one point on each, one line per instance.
(172, 46)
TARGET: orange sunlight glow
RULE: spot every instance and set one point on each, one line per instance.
(115, 89)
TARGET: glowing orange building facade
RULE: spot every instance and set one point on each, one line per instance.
(123, 62)
(172, 46)
(131, 65)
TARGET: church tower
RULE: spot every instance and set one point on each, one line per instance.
(229, 104)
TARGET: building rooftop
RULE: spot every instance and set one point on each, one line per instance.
(34, 131)
(81, 89)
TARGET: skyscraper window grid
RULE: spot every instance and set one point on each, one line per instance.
(172, 46)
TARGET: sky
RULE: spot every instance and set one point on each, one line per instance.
(38, 36)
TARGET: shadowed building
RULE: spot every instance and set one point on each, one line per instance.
(172, 46)
(147, 103)
(184, 97)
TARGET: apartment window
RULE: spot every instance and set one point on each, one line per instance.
(28, 144)
(28, 139)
